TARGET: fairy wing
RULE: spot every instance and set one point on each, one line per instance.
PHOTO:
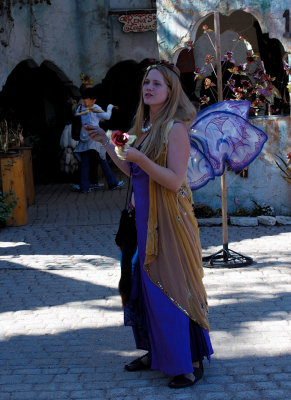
(222, 134)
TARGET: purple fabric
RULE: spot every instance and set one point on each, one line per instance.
(172, 339)
(221, 133)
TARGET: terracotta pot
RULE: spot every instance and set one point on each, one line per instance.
(12, 179)
(28, 173)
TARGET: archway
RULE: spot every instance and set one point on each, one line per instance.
(270, 51)
(38, 97)
(186, 65)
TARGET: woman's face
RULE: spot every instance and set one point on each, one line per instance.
(155, 89)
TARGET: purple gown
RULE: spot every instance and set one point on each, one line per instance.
(172, 339)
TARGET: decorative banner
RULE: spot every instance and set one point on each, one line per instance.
(139, 22)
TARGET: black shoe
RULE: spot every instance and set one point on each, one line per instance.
(137, 365)
(181, 381)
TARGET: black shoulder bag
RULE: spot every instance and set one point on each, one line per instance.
(126, 239)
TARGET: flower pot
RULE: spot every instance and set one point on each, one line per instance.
(28, 173)
(12, 180)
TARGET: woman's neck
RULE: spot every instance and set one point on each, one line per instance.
(153, 112)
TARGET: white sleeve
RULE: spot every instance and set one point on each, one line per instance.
(105, 115)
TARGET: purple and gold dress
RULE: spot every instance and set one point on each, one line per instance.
(172, 339)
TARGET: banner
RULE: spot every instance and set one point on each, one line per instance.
(138, 22)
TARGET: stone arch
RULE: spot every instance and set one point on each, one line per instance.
(39, 98)
(50, 65)
(252, 26)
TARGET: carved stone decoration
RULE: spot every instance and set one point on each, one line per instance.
(138, 22)
(6, 24)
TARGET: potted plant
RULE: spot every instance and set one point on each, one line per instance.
(12, 178)
(7, 204)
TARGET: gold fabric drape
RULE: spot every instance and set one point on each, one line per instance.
(173, 259)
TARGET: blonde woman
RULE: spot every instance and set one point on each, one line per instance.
(168, 306)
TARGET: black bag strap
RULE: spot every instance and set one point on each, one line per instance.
(129, 189)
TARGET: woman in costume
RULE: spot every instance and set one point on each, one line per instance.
(168, 306)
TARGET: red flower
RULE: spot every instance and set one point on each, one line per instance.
(204, 99)
(209, 59)
(208, 83)
(245, 84)
(119, 139)
(255, 103)
(251, 57)
(238, 69)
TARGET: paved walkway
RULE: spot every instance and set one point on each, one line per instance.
(61, 322)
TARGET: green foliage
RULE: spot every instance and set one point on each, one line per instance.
(7, 204)
(263, 209)
(202, 210)
(241, 212)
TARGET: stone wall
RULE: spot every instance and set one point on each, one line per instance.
(179, 21)
(264, 182)
(77, 36)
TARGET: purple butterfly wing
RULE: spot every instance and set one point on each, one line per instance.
(226, 136)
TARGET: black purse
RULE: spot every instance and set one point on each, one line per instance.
(76, 127)
(126, 239)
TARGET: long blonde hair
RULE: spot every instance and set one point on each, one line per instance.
(177, 107)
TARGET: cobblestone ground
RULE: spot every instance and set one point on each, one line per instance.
(61, 322)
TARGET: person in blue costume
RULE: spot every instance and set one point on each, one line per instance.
(87, 151)
(168, 308)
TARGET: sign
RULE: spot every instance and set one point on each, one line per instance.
(138, 22)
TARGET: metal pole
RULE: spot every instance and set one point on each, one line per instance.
(220, 98)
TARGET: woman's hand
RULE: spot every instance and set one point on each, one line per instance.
(96, 133)
(133, 155)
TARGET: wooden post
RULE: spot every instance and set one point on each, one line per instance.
(220, 98)
(12, 178)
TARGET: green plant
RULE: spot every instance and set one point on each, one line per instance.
(10, 135)
(241, 212)
(202, 210)
(7, 204)
(262, 209)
